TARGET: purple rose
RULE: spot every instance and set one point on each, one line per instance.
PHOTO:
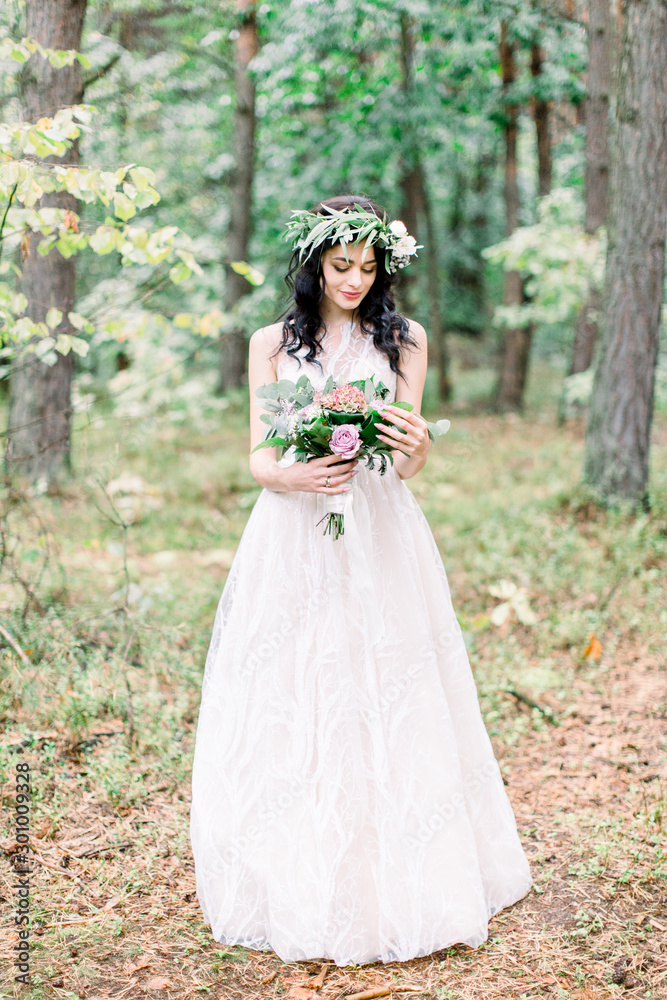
(345, 441)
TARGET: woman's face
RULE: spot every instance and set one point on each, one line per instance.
(347, 281)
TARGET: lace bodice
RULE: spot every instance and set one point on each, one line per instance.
(355, 357)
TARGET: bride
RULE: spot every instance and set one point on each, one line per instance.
(346, 801)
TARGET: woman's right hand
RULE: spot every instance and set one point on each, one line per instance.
(312, 476)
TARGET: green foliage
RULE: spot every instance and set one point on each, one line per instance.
(561, 261)
(338, 109)
(20, 51)
(24, 178)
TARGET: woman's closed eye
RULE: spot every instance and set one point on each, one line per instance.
(343, 270)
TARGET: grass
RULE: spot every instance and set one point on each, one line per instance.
(108, 594)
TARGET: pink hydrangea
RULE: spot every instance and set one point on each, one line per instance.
(344, 399)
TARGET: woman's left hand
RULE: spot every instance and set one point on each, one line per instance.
(409, 433)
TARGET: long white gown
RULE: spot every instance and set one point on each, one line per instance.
(346, 801)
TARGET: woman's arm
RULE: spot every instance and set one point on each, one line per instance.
(264, 467)
(308, 477)
(416, 441)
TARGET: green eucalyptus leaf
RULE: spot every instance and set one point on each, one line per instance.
(273, 442)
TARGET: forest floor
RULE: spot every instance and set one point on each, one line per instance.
(100, 684)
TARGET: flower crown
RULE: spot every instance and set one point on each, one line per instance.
(308, 230)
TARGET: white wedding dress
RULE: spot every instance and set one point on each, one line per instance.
(346, 801)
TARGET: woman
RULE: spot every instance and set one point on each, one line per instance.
(346, 800)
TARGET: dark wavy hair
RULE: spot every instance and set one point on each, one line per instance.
(377, 310)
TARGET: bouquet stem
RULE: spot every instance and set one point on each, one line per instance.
(334, 519)
(334, 526)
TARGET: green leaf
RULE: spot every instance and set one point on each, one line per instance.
(53, 318)
(267, 391)
(19, 303)
(104, 240)
(45, 244)
(79, 322)
(44, 346)
(179, 273)
(79, 346)
(251, 274)
(438, 428)
(274, 442)
(285, 388)
(142, 177)
(65, 247)
(123, 207)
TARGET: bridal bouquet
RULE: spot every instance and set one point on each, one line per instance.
(339, 420)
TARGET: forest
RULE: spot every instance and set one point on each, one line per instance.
(151, 154)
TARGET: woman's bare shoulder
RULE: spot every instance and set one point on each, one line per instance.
(417, 332)
(268, 338)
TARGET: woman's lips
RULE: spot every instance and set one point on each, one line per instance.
(351, 295)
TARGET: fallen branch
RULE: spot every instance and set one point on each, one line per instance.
(526, 700)
(15, 646)
(376, 991)
(94, 739)
(103, 850)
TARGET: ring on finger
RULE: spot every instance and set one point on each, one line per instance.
(327, 483)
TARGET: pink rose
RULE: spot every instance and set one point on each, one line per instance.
(345, 441)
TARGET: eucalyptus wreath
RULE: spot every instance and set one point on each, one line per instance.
(309, 230)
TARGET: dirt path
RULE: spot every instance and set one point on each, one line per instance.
(123, 921)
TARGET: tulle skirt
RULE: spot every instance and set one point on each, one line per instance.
(346, 801)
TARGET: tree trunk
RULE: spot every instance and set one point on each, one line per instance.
(618, 434)
(439, 350)
(412, 206)
(541, 118)
(516, 345)
(40, 409)
(478, 228)
(415, 206)
(234, 346)
(597, 165)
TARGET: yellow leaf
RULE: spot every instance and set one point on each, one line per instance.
(593, 650)
(251, 274)
(123, 207)
(183, 321)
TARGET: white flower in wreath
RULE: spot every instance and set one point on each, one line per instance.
(398, 228)
(402, 248)
(406, 247)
